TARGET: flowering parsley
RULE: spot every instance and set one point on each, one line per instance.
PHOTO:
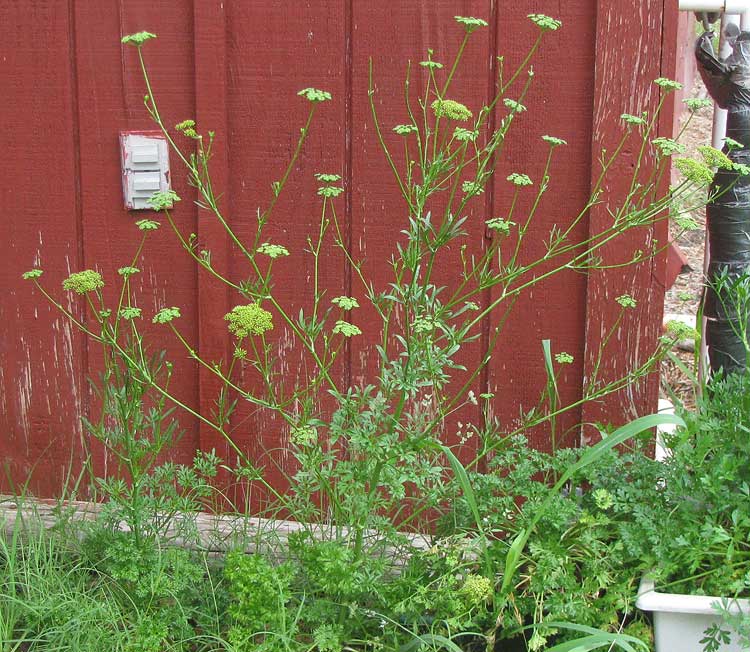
(451, 110)
(32, 273)
(272, 250)
(131, 312)
(564, 358)
(166, 315)
(545, 23)
(668, 146)
(694, 171)
(249, 320)
(680, 330)
(346, 329)
(714, 158)
(519, 179)
(552, 140)
(345, 303)
(668, 84)
(330, 191)
(603, 499)
(515, 107)
(405, 130)
(162, 200)
(731, 144)
(472, 188)
(327, 178)
(697, 103)
(304, 436)
(434, 65)
(81, 282)
(500, 225)
(137, 39)
(630, 119)
(147, 225)
(127, 271)
(464, 135)
(626, 301)
(477, 589)
(469, 23)
(314, 95)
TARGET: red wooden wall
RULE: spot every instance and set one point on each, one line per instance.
(236, 66)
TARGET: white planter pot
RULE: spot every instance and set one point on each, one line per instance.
(680, 620)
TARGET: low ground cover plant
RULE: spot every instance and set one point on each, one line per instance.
(520, 549)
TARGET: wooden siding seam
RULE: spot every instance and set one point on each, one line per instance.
(348, 165)
(75, 129)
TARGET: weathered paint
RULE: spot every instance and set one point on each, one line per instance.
(236, 67)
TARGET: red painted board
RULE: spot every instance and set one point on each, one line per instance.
(559, 104)
(629, 38)
(41, 356)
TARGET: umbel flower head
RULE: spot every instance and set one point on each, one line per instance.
(137, 39)
(451, 110)
(249, 320)
(81, 282)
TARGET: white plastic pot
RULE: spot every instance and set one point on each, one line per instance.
(680, 620)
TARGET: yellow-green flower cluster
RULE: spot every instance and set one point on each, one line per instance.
(626, 301)
(187, 128)
(519, 179)
(82, 282)
(554, 141)
(545, 23)
(32, 273)
(405, 130)
(345, 303)
(166, 315)
(694, 171)
(477, 590)
(668, 84)
(451, 110)
(464, 135)
(500, 225)
(314, 95)
(272, 250)
(137, 39)
(603, 499)
(564, 358)
(304, 436)
(249, 320)
(346, 329)
(714, 158)
(668, 146)
(469, 23)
